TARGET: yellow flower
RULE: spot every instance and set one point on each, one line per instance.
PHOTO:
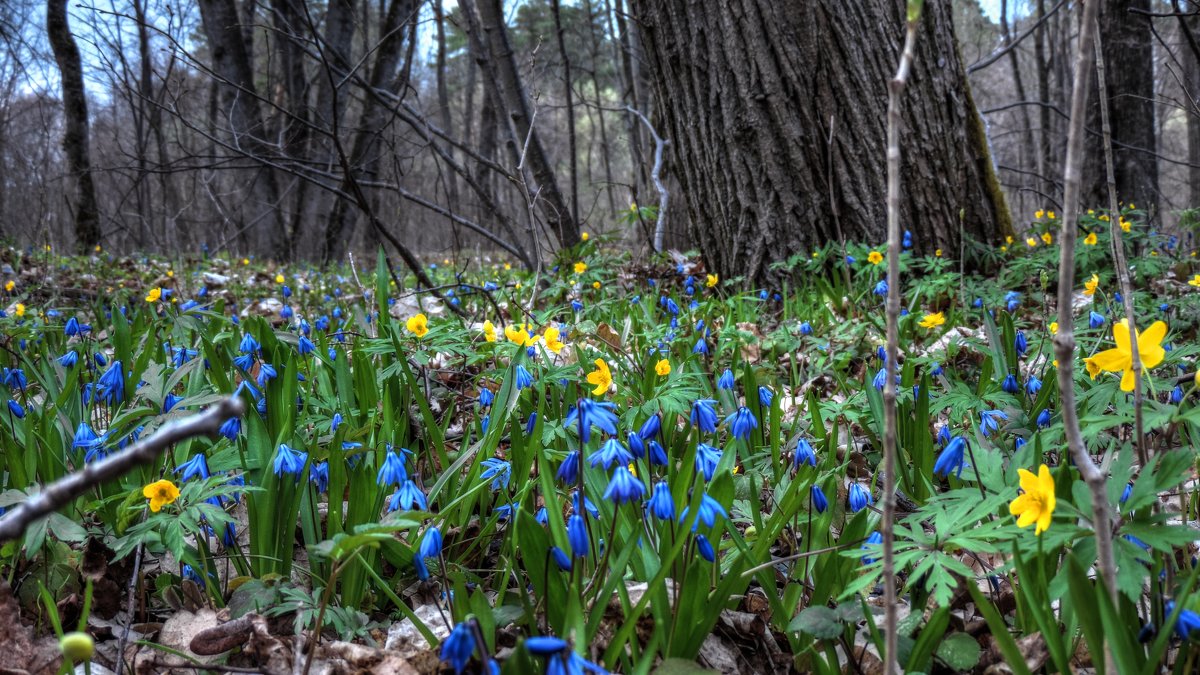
(1008, 239)
(171, 274)
(1047, 238)
(933, 320)
(596, 285)
(522, 335)
(20, 310)
(417, 325)
(1105, 218)
(279, 279)
(154, 295)
(874, 257)
(937, 253)
(1039, 214)
(1090, 240)
(1031, 242)
(1124, 225)
(1004, 249)
(507, 267)
(1054, 328)
(160, 493)
(585, 236)
(663, 368)
(12, 284)
(816, 254)
(600, 378)
(245, 261)
(1050, 215)
(97, 248)
(580, 267)
(1195, 281)
(1089, 287)
(1131, 206)
(1036, 503)
(633, 207)
(1197, 378)
(711, 280)
(489, 331)
(1092, 369)
(552, 342)
(1120, 358)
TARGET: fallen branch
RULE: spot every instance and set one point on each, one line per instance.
(60, 493)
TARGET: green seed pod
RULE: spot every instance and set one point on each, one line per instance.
(77, 647)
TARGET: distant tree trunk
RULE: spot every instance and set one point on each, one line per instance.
(1047, 167)
(76, 144)
(748, 89)
(569, 95)
(1029, 154)
(443, 96)
(605, 154)
(238, 109)
(631, 94)
(491, 49)
(1129, 72)
(1191, 65)
(290, 36)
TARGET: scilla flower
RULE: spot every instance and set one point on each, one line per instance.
(951, 458)
(819, 502)
(741, 423)
(859, 498)
(703, 416)
(624, 487)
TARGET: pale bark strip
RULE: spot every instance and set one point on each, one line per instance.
(895, 89)
(60, 493)
(1064, 340)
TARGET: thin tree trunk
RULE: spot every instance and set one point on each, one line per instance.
(605, 155)
(76, 143)
(1028, 147)
(1046, 165)
(631, 96)
(569, 95)
(443, 95)
(1191, 65)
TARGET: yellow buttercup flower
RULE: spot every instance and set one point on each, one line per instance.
(553, 343)
(1036, 503)
(937, 253)
(489, 331)
(663, 368)
(154, 295)
(600, 378)
(1090, 240)
(711, 280)
(1120, 358)
(580, 267)
(585, 236)
(521, 334)
(279, 279)
(1047, 238)
(97, 248)
(1089, 287)
(170, 274)
(1124, 225)
(10, 285)
(1031, 242)
(160, 493)
(874, 257)
(1050, 215)
(1195, 281)
(507, 267)
(1092, 369)
(245, 261)
(1054, 328)
(933, 320)
(19, 310)
(1008, 239)
(1004, 249)
(1039, 214)
(417, 325)
(596, 285)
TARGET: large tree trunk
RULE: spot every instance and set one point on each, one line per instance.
(749, 88)
(1129, 73)
(75, 124)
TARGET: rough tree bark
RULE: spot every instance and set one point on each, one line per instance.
(748, 90)
(1191, 66)
(76, 144)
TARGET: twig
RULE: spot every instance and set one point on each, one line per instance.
(999, 53)
(895, 89)
(660, 144)
(60, 493)
(1064, 340)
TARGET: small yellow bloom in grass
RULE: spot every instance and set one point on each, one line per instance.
(507, 267)
(171, 274)
(1050, 215)
(521, 334)
(585, 236)
(154, 295)
(417, 325)
(1036, 503)
(596, 285)
(1125, 225)
(874, 257)
(97, 248)
(1092, 369)
(933, 320)
(279, 279)
(245, 261)
(1197, 378)
(489, 331)
(1131, 206)
(1008, 239)
(1054, 328)
(1089, 286)
(663, 368)
(1047, 238)
(1039, 214)
(937, 253)
(1004, 249)
(1031, 242)
(1195, 281)
(553, 343)
(816, 254)
(600, 378)
(1120, 358)
(580, 267)
(19, 310)
(10, 285)
(160, 493)
(1105, 218)
(1090, 240)
(518, 286)
(711, 280)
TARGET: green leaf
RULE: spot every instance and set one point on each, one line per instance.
(959, 651)
(819, 622)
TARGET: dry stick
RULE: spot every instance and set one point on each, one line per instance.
(895, 89)
(1118, 253)
(660, 144)
(1064, 341)
(60, 493)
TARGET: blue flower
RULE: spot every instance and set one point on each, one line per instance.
(624, 487)
(657, 455)
(486, 397)
(592, 509)
(636, 447)
(305, 346)
(701, 346)
(937, 370)
(705, 548)
(819, 502)
(860, 498)
(1188, 621)
(1127, 492)
(531, 424)
(408, 496)
(1033, 385)
(560, 558)
(524, 379)
(568, 471)
(943, 435)
(15, 409)
(170, 402)
(804, 453)
(1020, 343)
(1177, 394)
(707, 458)
(458, 647)
(69, 359)
(1010, 384)
(1012, 300)
(612, 453)
(392, 472)
(661, 505)
(703, 416)
(1095, 320)
(874, 539)
(988, 421)
(195, 467)
(577, 536)
(726, 380)
(1043, 419)
(880, 379)
(881, 288)
(498, 471)
(951, 458)
(650, 427)
(318, 475)
(289, 461)
(590, 414)
(765, 396)
(706, 513)
(741, 423)
(248, 344)
(85, 437)
(112, 384)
